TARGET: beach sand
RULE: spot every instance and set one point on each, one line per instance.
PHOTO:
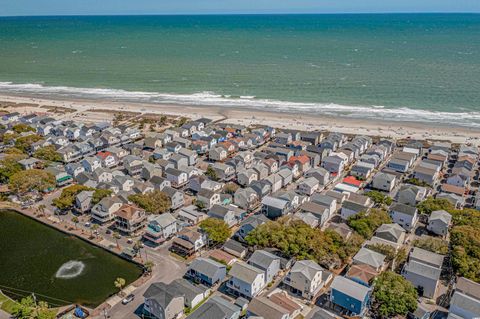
(91, 111)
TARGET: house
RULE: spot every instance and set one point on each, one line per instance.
(234, 248)
(321, 174)
(369, 257)
(62, 178)
(465, 302)
(426, 174)
(249, 224)
(103, 212)
(308, 186)
(29, 163)
(188, 242)
(457, 201)
(423, 271)
(133, 165)
(130, 219)
(263, 307)
(208, 198)
(286, 176)
(206, 271)
(217, 153)
(335, 162)
(246, 280)
(355, 204)
(438, 222)
(224, 172)
(225, 213)
(176, 177)
(307, 278)
(267, 262)
(246, 198)
(398, 165)
(384, 181)
(342, 229)
(90, 164)
(321, 212)
(160, 228)
(216, 307)
(274, 207)
(177, 198)
(362, 273)
(191, 215)
(362, 170)
(107, 159)
(83, 201)
(163, 302)
(389, 234)
(411, 194)
(349, 295)
(404, 215)
(193, 294)
(325, 200)
(451, 189)
(246, 177)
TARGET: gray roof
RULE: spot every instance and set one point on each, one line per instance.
(369, 257)
(442, 215)
(184, 287)
(162, 293)
(308, 268)
(404, 209)
(205, 266)
(394, 229)
(163, 220)
(423, 270)
(274, 202)
(255, 220)
(244, 272)
(427, 257)
(215, 308)
(234, 245)
(262, 259)
(322, 199)
(350, 288)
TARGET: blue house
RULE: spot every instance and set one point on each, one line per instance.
(349, 295)
(206, 271)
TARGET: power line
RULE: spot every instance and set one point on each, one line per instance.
(33, 292)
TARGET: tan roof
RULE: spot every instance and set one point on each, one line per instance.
(220, 255)
(468, 287)
(127, 211)
(363, 272)
(437, 157)
(453, 189)
(281, 299)
(466, 158)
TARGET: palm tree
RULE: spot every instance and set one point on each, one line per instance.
(119, 284)
(115, 235)
(94, 228)
(149, 266)
(75, 221)
(41, 208)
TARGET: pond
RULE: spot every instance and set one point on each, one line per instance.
(60, 269)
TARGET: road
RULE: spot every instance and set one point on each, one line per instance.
(166, 270)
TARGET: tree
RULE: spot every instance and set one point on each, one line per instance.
(119, 284)
(379, 198)
(417, 182)
(393, 295)
(14, 151)
(9, 166)
(432, 204)
(231, 188)
(48, 153)
(465, 240)
(384, 249)
(116, 235)
(366, 224)
(94, 228)
(155, 202)
(67, 197)
(296, 239)
(149, 266)
(211, 173)
(181, 121)
(31, 180)
(75, 221)
(22, 128)
(100, 194)
(24, 143)
(27, 308)
(217, 230)
(433, 244)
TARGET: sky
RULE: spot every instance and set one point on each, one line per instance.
(100, 7)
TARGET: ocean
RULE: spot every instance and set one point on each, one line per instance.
(400, 67)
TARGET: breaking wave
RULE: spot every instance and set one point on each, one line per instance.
(465, 119)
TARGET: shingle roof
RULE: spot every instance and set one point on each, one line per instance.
(308, 268)
(245, 272)
(369, 257)
(262, 258)
(350, 288)
(205, 266)
(162, 293)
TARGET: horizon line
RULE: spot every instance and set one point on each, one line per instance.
(239, 14)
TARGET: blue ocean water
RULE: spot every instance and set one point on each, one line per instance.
(415, 67)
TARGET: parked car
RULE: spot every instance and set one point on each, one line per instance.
(128, 299)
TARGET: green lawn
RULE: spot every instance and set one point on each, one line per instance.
(6, 304)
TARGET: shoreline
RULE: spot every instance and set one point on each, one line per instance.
(85, 109)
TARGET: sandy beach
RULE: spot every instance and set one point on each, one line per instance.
(102, 110)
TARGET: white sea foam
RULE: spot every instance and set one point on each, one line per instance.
(206, 98)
